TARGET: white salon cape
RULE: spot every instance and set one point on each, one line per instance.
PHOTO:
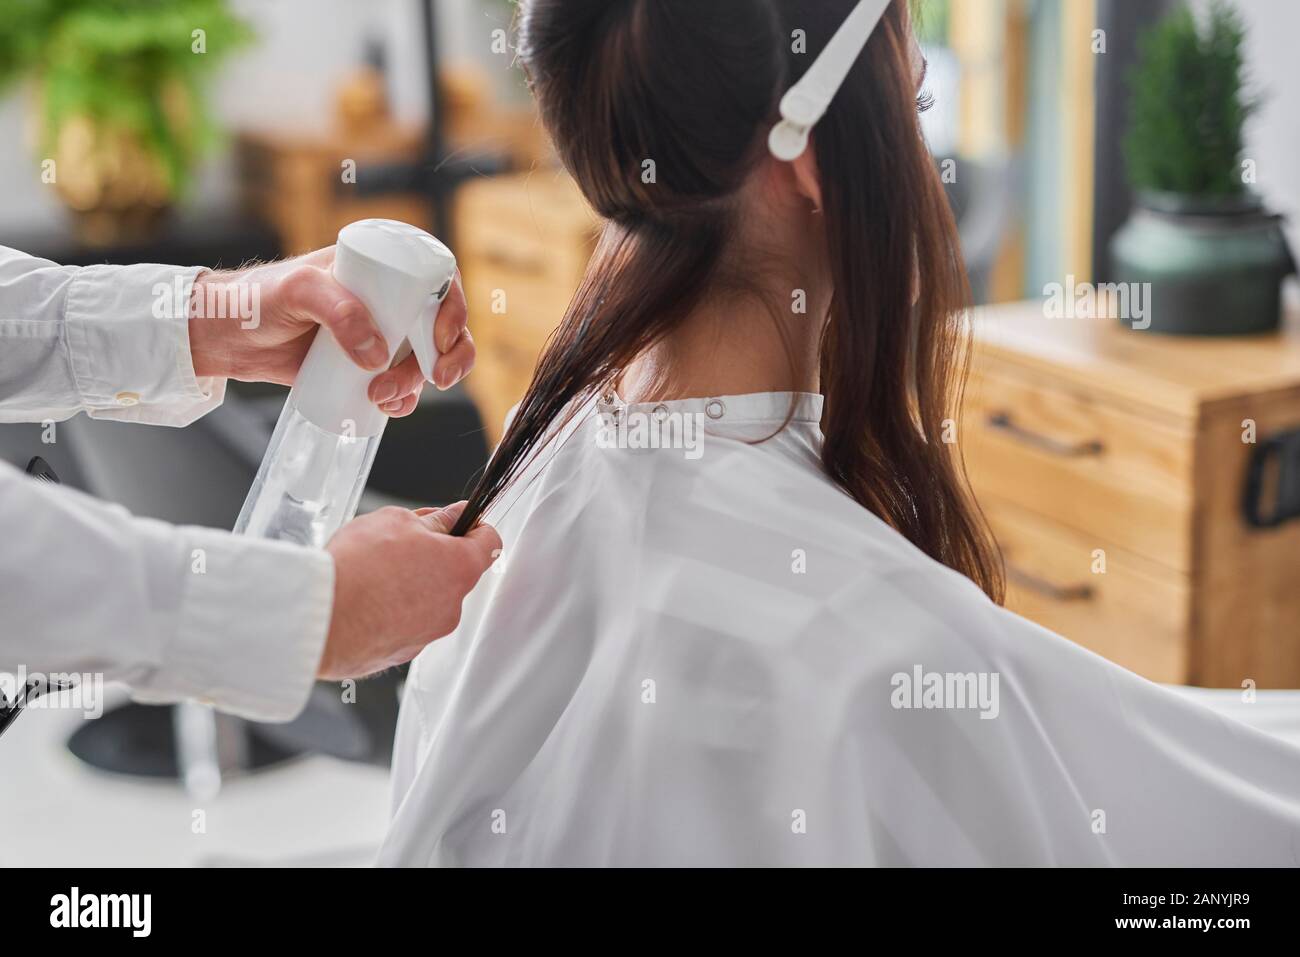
(84, 586)
(697, 661)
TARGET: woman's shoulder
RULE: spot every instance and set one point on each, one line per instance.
(748, 508)
(754, 546)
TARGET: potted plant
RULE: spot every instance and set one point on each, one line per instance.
(119, 118)
(1214, 257)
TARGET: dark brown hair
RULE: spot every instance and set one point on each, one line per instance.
(695, 85)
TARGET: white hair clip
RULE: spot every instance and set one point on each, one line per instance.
(809, 99)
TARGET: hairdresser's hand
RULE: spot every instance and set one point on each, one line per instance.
(255, 325)
(399, 580)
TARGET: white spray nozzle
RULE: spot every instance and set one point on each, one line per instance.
(421, 338)
(402, 275)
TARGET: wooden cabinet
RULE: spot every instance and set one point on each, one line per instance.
(295, 182)
(1112, 466)
(523, 242)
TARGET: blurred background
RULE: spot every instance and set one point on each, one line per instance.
(1142, 143)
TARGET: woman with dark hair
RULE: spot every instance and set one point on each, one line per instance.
(746, 610)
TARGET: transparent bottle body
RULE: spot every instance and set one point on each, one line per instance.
(309, 483)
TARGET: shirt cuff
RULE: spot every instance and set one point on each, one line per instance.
(127, 330)
(252, 626)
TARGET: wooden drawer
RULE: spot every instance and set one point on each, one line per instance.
(1134, 613)
(523, 257)
(1081, 434)
(525, 228)
(511, 368)
(508, 343)
(495, 395)
(523, 242)
(530, 306)
(1110, 472)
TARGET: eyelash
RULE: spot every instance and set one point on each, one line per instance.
(924, 100)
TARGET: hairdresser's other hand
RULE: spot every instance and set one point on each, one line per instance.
(399, 580)
(256, 324)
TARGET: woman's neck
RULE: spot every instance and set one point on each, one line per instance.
(758, 329)
(725, 349)
(735, 344)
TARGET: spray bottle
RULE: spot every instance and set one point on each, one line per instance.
(316, 466)
(315, 469)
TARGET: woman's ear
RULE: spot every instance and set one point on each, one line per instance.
(808, 178)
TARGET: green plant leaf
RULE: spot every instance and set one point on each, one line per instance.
(1188, 105)
(117, 62)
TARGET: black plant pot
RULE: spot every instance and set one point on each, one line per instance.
(1215, 265)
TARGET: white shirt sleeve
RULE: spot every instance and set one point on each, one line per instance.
(174, 612)
(110, 341)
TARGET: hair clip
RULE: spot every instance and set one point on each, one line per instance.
(808, 100)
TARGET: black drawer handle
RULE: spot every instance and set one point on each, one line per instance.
(1002, 422)
(1047, 588)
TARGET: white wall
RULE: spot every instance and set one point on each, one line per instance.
(1273, 138)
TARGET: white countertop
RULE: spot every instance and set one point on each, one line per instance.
(57, 811)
